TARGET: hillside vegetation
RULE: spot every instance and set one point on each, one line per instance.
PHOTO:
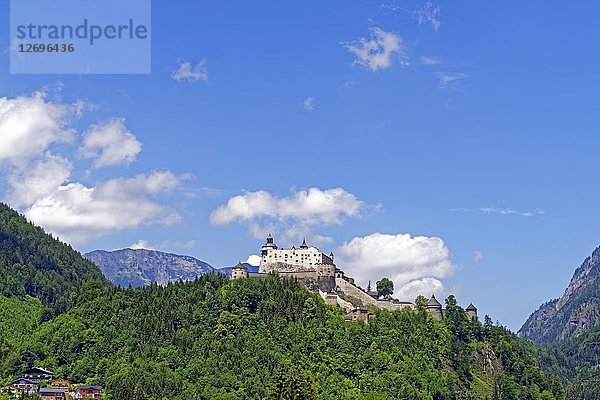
(255, 339)
(34, 263)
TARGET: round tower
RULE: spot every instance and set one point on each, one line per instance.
(471, 311)
(239, 271)
(435, 308)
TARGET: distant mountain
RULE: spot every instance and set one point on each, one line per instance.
(142, 267)
(34, 263)
(574, 314)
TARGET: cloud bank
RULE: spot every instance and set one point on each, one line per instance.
(415, 264)
(39, 181)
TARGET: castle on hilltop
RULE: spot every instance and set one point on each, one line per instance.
(320, 274)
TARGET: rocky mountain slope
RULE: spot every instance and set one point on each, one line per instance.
(142, 267)
(572, 315)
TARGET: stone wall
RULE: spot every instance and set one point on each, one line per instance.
(350, 290)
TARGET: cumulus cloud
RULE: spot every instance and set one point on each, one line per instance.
(379, 50)
(312, 206)
(37, 179)
(292, 216)
(30, 124)
(410, 262)
(429, 14)
(309, 104)
(253, 259)
(448, 81)
(77, 213)
(110, 143)
(422, 286)
(191, 72)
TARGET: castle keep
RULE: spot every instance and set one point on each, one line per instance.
(320, 274)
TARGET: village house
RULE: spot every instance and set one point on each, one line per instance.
(88, 392)
(54, 394)
(38, 374)
(61, 384)
(20, 388)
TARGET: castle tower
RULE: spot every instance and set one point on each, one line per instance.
(269, 245)
(435, 308)
(471, 311)
(304, 245)
(239, 271)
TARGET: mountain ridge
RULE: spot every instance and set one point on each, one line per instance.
(573, 314)
(141, 267)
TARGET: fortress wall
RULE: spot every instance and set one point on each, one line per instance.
(334, 300)
(388, 305)
(351, 290)
(299, 274)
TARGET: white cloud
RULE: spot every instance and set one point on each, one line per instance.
(378, 51)
(37, 179)
(431, 60)
(401, 257)
(429, 14)
(422, 286)
(30, 124)
(313, 206)
(142, 244)
(165, 244)
(77, 213)
(478, 256)
(253, 259)
(110, 143)
(309, 104)
(510, 211)
(289, 217)
(190, 72)
(448, 81)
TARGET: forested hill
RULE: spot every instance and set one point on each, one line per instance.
(34, 263)
(273, 339)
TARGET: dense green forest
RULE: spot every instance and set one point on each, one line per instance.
(254, 339)
(248, 339)
(35, 264)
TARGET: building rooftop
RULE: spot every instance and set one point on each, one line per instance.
(240, 265)
(471, 307)
(433, 302)
(52, 390)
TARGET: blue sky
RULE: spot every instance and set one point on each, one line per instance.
(474, 123)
